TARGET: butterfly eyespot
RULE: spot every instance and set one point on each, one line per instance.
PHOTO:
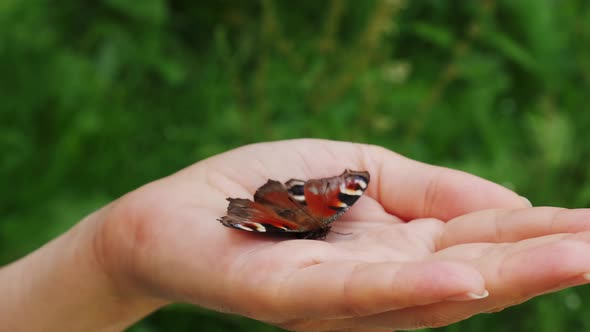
(361, 183)
(351, 189)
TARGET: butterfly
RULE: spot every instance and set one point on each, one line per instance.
(306, 208)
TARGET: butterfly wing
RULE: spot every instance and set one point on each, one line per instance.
(273, 210)
(329, 198)
(305, 207)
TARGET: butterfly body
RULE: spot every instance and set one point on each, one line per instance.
(303, 207)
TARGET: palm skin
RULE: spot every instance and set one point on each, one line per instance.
(422, 247)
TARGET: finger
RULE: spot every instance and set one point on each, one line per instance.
(511, 278)
(348, 289)
(406, 188)
(410, 189)
(512, 225)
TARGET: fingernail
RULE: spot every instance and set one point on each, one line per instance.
(526, 201)
(469, 296)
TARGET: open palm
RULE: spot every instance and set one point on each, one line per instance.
(423, 247)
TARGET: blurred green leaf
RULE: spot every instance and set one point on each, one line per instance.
(153, 11)
(436, 35)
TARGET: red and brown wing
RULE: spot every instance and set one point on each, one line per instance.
(328, 198)
(297, 206)
(273, 210)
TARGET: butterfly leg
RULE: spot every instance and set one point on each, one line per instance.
(316, 234)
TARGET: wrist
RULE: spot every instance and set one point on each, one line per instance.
(64, 286)
(113, 265)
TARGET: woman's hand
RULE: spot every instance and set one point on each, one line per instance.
(428, 246)
(421, 251)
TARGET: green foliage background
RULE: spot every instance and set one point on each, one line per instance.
(99, 97)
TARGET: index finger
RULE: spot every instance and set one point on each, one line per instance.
(411, 189)
(405, 188)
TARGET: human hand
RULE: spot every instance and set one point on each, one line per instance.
(422, 252)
